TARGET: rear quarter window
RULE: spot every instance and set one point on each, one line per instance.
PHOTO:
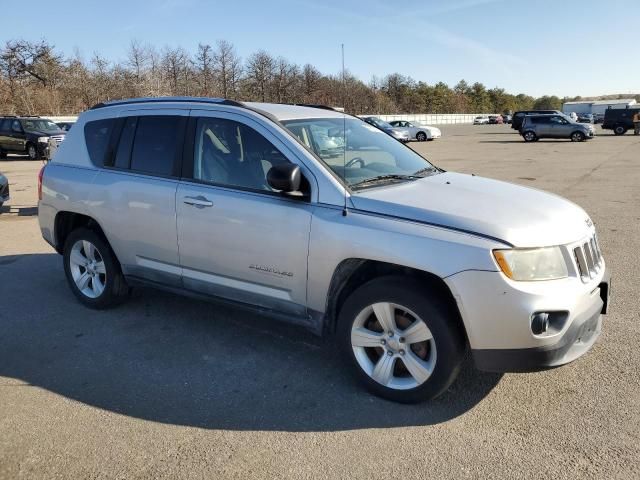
(97, 135)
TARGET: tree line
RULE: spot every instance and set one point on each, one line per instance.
(35, 78)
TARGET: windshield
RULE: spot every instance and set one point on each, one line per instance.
(369, 153)
(379, 123)
(40, 125)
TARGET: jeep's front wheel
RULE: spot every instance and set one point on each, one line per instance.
(32, 151)
(402, 343)
(93, 271)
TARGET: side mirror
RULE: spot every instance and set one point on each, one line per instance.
(285, 177)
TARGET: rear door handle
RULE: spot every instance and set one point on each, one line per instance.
(198, 202)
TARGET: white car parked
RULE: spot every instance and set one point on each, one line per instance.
(481, 121)
(417, 131)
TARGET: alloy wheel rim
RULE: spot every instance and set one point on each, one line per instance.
(393, 346)
(32, 151)
(88, 269)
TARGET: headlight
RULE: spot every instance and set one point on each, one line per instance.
(43, 139)
(532, 263)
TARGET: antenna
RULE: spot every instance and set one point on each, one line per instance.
(344, 133)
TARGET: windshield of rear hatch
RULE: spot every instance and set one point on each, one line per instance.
(39, 125)
(367, 152)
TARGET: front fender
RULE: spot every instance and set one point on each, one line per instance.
(436, 250)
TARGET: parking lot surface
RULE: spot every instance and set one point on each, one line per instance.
(166, 386)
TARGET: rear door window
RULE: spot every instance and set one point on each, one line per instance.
(157, 144)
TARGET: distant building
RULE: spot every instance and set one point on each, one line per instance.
(596, 106)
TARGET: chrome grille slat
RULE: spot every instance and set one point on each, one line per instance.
(588, 258)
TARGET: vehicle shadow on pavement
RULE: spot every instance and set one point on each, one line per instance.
(175, 360)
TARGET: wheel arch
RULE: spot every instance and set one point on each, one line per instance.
(66, 222)
(352, 273)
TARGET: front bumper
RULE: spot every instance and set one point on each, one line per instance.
(497, 317)
(401, 138)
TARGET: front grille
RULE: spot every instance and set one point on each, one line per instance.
(588, 258)
(58, 138)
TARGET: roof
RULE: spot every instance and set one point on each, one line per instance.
(613, 101)
(283, 111)
(279, 111)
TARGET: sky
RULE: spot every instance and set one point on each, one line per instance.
(537, 47)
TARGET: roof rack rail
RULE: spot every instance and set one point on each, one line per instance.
(314, 105)
(143, 100)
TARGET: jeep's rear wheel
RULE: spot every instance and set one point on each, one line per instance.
(402, 343)
(529, 136)
(619, 130)
(93, 271)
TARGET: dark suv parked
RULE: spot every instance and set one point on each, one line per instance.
(619, 119)
(518, 117)
(28, 136)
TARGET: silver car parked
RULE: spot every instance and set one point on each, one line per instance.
(417, 131)
(535, 127)
(317, 218)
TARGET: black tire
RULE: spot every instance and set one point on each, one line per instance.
(449, 340)
(619, 130)
(529, 136)
(421, 136)
(578, 137)
(115, 290)
(32, 151)
(3, 154)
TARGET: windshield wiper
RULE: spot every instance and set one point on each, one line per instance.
(430, 169)
(382, 178)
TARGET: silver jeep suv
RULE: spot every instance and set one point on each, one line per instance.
(317, 218)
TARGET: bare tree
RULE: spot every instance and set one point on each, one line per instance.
(39, 61)
(138, 61)
(285, 78)
(311, 78)
(175, 63)
(204, 68)
(36, 79)
(259, 75)
(227, 68)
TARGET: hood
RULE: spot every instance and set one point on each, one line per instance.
(521, 216)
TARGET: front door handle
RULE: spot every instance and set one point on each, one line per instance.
(198, 202)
